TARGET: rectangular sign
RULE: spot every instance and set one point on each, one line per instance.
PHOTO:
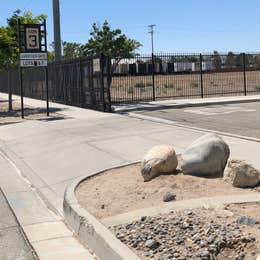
(33, 56)
(32, 38)
(96, 65)
(33, 63)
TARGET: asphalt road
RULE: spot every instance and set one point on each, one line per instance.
(13, 244)
(241, 119)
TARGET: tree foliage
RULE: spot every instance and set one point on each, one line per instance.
(72, 50)
(9, 46)
(110, 42)
(216, 60)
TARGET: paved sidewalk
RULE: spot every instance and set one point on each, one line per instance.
(51, 154)
(13, 244)
(175, 103)
(45, 230)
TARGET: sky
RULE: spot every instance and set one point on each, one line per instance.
(182, 26)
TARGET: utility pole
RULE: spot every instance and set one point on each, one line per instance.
(56, 26)
(151, 27)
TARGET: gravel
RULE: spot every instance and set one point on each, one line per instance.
(186, 235)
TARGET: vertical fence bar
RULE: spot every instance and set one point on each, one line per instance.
(47, 90)
(10, 106)
(201, 78)
(244, 71)
(81, 93)
(153, 68)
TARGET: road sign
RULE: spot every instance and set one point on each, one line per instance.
(33, 56)
(33, 40)
(33, 63)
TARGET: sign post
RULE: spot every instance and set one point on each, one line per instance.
(33, 53)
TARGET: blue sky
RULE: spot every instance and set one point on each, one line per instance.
(182, 25)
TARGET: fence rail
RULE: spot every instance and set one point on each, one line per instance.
(145, 78)
(142, 78)
(73, 82)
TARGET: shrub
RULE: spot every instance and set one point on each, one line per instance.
(140, 85)
(169, 86)
(178, 88)
(257, 88)
(130, 90)
(149, 84)
(194, 84)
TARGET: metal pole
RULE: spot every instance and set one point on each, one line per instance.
(20, 69)
(153, 67)
(56, 26)
(244, 70)
(47, 91)
(21, 92)
(201, 78)
(10, 106)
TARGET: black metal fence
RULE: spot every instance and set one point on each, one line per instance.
(85, 82)
(79, 82)
(146, 78)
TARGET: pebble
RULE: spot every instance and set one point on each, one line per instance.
(246, 220)
(168, 196)
(152, 244)
(169, 236)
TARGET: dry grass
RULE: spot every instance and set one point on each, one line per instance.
(140, 87)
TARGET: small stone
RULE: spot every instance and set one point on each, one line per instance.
(168, 196)
(102, 206)
(245, 220)
(143, 218)
(152, 244)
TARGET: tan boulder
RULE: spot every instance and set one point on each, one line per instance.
(241, 174)
(160, 159)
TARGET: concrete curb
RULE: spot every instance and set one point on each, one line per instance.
(89, 230)
(155, 105)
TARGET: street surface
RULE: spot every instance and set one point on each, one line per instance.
(240, 119)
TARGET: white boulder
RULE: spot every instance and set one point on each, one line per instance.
(160, 159)
(241, 174)
(207, 157)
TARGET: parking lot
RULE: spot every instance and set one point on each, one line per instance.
(240, 119)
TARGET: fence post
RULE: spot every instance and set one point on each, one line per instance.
(244, 71)
(10, 105)
(153, 68)
(81, 92)
(102, 87)
(201, 78)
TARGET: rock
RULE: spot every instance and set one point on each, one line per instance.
(160, 159)
(246, 220)
(207, 156)
(241, 174)
(168, 196)
(151, 243)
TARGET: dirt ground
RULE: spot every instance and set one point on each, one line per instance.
(225, 83)
(122, 190)
(30, 113)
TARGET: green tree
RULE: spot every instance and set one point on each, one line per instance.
(112, 43)
(216, 60)
(230, 60)
(9, 46)
(7, 49)
(72, 50)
